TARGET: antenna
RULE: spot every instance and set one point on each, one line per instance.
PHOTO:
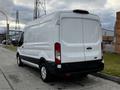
(39, 8)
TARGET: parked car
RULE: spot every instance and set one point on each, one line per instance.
(63, 42)
(8, 42)
(17, 38)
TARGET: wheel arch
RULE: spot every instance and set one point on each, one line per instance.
(42, 60)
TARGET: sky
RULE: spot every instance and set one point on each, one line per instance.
(105, 9)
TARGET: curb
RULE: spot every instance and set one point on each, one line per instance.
(108, 77)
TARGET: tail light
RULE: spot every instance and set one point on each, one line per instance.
(57, 53)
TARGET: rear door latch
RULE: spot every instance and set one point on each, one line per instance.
(89, 48)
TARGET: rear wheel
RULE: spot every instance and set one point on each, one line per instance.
(84, 75)
(19, 62)
(44, 73)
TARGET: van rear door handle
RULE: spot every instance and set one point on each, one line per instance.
(89, 48)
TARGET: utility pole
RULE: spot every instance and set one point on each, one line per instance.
(39, 8)
(35, 10)
(17, 27)
(7, 25)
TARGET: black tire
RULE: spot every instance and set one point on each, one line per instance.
(44, 73)
(84, 75)
(19, 62)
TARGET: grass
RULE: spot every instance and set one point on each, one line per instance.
(112, 64)
(11, 47)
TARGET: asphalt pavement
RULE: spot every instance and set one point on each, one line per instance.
(13, 77)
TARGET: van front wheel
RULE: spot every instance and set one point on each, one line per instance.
(44, 73)
(19, 62)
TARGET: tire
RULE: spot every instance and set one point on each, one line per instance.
(45, 74)
(84, 75)
(19, 62)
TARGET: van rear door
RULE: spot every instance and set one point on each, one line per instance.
(72, 43)
(92, 39)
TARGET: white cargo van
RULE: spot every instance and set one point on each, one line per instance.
(62, 42)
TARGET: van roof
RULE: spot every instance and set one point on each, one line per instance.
(56, 14)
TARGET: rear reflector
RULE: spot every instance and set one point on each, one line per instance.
(57, 53)
(80, 11)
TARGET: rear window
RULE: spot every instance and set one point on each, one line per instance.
(91, 29)
(72, 30)
(77, 30)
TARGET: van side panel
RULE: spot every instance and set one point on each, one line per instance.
(39, 41)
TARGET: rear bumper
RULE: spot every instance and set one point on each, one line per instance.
(78, 67)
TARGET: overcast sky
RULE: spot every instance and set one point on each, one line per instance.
(106, 9)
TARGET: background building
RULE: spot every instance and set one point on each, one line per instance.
(117, 33)
(108, 36)
(13, 34)
(108, 40)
